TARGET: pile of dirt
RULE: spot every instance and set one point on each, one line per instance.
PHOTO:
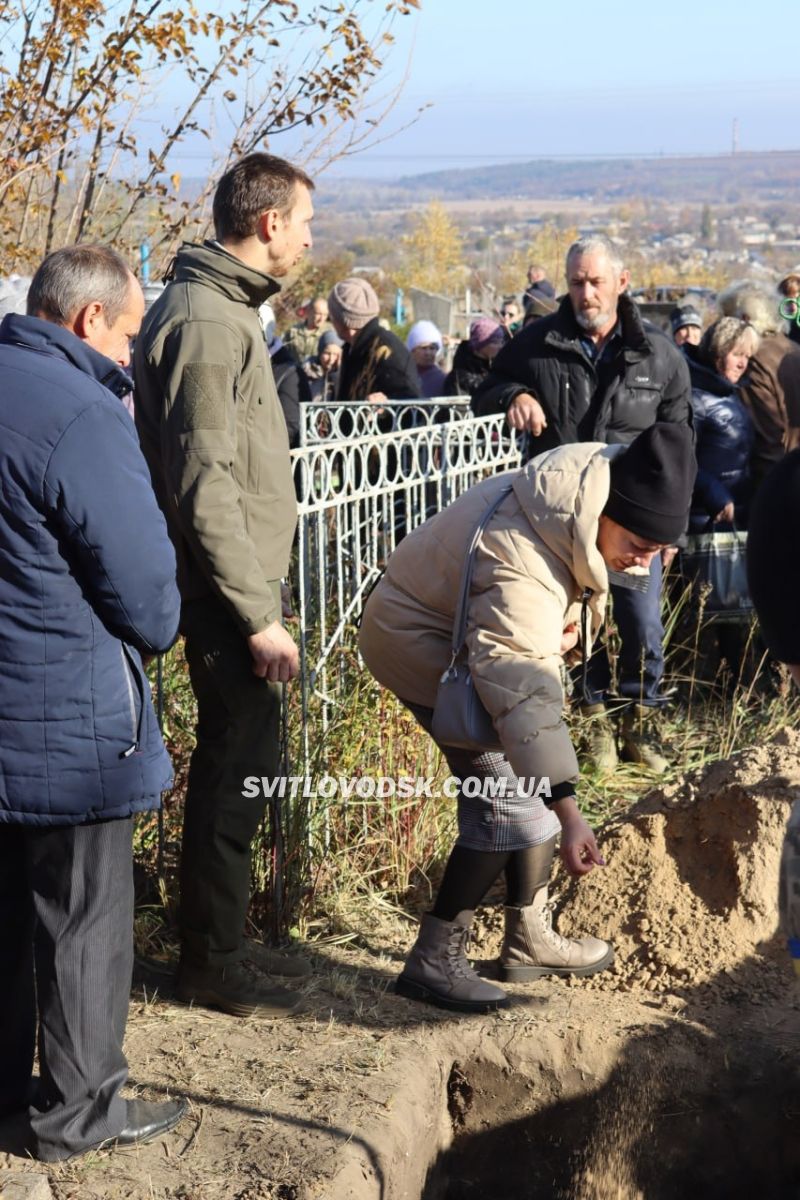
(673, 1074)
(690, 892)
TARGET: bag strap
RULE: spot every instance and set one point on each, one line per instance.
(460, 620)
(711, 527)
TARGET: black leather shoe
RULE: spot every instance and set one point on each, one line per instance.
(12, 1108)
(147, 1120)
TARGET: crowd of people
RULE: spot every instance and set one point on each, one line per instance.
(115, 537)
(346, 351)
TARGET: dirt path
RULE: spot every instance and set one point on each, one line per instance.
(682, 1060)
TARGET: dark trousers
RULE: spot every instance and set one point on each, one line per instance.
(640, 668)
(66, 932)
(238, 734)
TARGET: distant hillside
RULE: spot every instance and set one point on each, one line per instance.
(727, 179)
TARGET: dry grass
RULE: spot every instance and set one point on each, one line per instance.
(352, 866)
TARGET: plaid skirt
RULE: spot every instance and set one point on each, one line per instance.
(496, 810)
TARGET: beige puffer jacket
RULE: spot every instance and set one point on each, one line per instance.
(532, 565)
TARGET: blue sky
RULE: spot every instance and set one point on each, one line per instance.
(524, 78)
(519, 79)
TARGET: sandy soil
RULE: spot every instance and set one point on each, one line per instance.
(364, 1095)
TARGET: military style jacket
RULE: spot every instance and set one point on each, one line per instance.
(214, 435)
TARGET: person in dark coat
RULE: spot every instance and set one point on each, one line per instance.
(772, 389)
(376, 366)
(773, 574)
(291, 381)
(293, 390)
(594, 372)
(474, 356)
(538, 306)
(87, 586)
(539, 285)
(724, 432)
(686, 324)
(323, 369)
(723, 426)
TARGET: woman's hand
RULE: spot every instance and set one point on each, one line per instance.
(569, 638)
(579, 852)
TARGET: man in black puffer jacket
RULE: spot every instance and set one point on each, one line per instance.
(594, 372)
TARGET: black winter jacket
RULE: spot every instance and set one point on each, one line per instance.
(773, 566)
(724, 431)
(293, 390)
(468, 373)
(377, 361)
(650, 380)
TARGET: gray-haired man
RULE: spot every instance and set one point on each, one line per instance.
(87, 585)
(595, 372)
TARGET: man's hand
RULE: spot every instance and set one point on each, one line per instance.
(667, 555)
(725, 514)
(526, 414)
(274, 653)
(378, 398)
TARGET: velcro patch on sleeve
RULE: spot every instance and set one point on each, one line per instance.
(205, 393)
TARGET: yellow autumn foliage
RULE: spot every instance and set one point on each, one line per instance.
(432, 253)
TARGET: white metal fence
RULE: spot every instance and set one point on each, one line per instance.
(325, 422)
(357, 497)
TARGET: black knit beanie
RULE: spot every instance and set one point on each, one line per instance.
(652, 482)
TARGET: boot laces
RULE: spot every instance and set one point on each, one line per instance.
(457, 948)
(551, 935)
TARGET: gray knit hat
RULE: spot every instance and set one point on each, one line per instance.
(353, 302)
(329, 338)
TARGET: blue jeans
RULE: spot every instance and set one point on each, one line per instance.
(641, 658)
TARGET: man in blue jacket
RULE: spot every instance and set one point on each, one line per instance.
(87, 584)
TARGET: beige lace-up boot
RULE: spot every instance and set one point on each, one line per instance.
(437, 969)
(532, 947)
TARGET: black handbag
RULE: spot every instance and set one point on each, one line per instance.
(716, 562)
(459, 717)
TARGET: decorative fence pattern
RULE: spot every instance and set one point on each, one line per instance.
(357, 497)
(364, 477)
(325, 422)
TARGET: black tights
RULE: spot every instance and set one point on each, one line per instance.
(470, 873)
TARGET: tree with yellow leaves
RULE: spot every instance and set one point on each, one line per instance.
(432, 253)
(77, 77)
(548, 248)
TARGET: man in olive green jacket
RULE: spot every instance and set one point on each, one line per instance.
(213, 433)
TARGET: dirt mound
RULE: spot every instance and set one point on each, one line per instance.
(690, 892)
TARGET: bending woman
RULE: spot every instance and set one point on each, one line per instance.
(569, 517)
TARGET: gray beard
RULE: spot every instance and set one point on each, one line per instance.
(593, 324)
